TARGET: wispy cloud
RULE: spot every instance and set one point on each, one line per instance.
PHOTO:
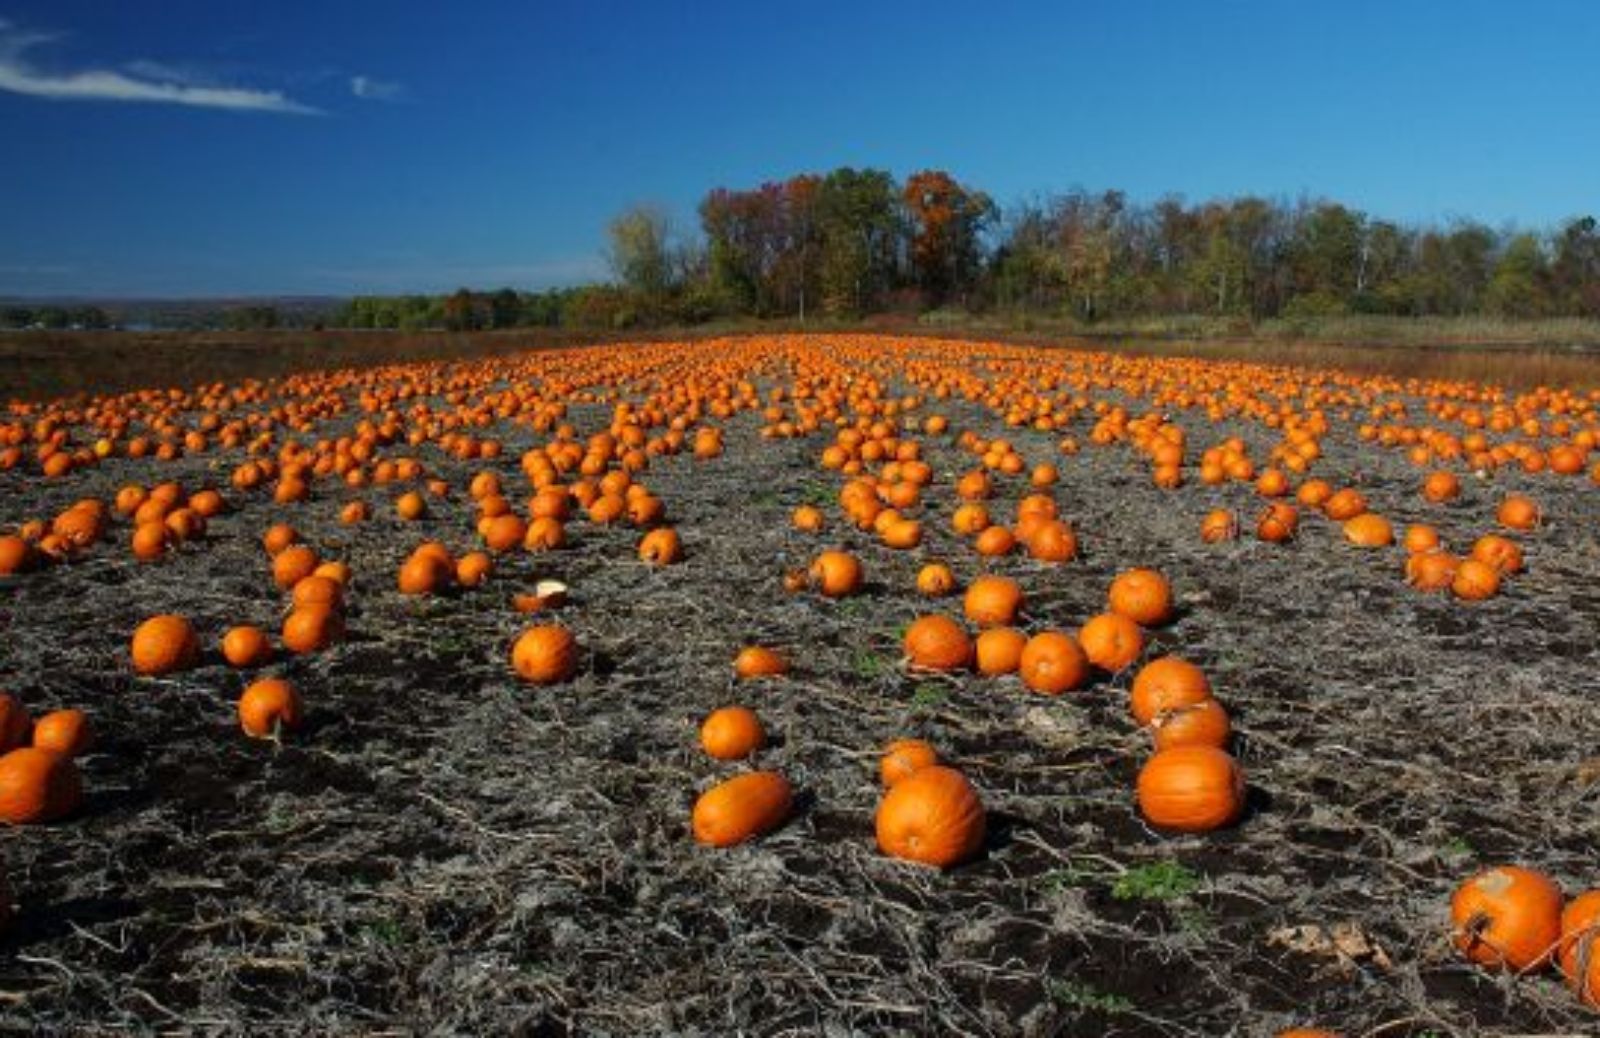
(369, 89)
(143, 81)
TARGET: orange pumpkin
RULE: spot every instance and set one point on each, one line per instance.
(933, 817)
(311, 628)
(902, 757)
(37, 786)
(743, 807)
(1199, 724)
(1141, 595)
(732, 733)
(1475, 581)
(1191, 789)
(66, 732)
(661, 547)
(1052, 662)
(1112, 642)
(1578, 954)
(937, 643)
(246, 646)
(545, 654)
(1518, 513)
(836, 574)
(755, 661)
(1165, 685)
(269, 706)
(1507, 917)
(1369, 530)
(163, 645)
(998, 651)
(1431, 571)
(1219, 525)
(992, 601)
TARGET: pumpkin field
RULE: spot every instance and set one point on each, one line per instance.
(802, 684)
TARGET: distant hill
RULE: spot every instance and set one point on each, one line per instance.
(220, 312)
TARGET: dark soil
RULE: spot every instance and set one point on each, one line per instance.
(442, 849)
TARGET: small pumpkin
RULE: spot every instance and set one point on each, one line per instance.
(311, 628)
(1508, 917)
(163, 645)
(661, 547)
(937, 642)
(836, 574)
(1517, 512)
(1141, 595)
(902, 757)
(732, 733)
(246, 646)
(998, 651)
(935, 580)
(1431, 570)
(992, 601)
(1191, 789)
(758, 661)
(66, 732)
(1441, 487)
(1475, 580)
(1369, 530)
(1052, 662)
(807, 519)
(743, 807)
(1112, 642)
(1278, 523)
(933, 817)
(292, 565)
(545, 654)
(268, 707)
(1198, 724)
(1165, 685)
(1219, 525)
(37, 786)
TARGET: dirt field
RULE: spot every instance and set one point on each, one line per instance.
(443, 849)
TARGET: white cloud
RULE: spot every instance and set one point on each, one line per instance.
(369, 89)
(142, 82)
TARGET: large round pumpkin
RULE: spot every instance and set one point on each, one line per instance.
(1507, 917)
(1191, 789)
(1052, 662)
(742, 807)
(1142, 595)
(992, 601)
(1164, 685)
(932, 816)
(1111, 641)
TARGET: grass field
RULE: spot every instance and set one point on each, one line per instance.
(443, 847)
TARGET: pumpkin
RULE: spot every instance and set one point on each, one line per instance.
(545, 534)
(835, 574)
(1278, 523)
(902, 757)
(1141, 595)
(970, 519)
(732, 733)
(547, 594)
(16, 554)
(411, 506)
(1518, 513)
(1369, 530)
(1507, 917)
(756, 661)
(994, 542)
(292, 565)
(743, 807)
(661, 547)
(1421, 537)
(1052, 662)
(1578, 953)
(503, 533)
(424, 575)
(1440, 487)
(1191, 789)
(1165, 685)
(1219, 525)
(935, 580)
(316, 590)
(164, 644)
(807, 518)
(1053, 541)
(937, 643)
(932, 817)
(1344, 504)
(1475, 581)
(1111, 641)
(1503, 553)
(992, 601)
(1198, 724)
(998, 651)
(278, 537)
(1431, 571)
(267, 707)
(545, 654)
(151, 541)
(311, 628)
(15, 722)
(473, 568)
(65, 732)
(246, 646)
(37, 786)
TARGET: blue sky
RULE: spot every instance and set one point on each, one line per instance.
(182, 148)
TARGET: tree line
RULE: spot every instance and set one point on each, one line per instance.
(853, 242)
